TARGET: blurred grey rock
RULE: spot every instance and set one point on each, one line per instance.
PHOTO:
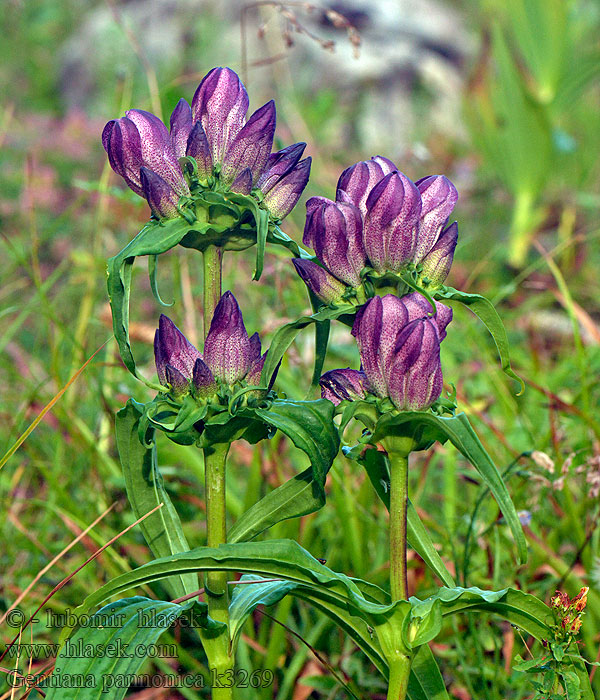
(406, 83)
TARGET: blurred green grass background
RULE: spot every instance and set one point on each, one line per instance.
(521, 146)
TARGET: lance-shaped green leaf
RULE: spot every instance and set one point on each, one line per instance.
(310, 426)
(377, 466)
(298, 496)
(248, 596)
(129, 627)
(145, 490)
(484, 309)
(285, 335)
(425, 681)
(429, 427)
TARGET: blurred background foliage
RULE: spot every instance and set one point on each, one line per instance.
(503, 97)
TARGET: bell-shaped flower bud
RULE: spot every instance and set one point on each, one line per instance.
(283, 196)
(199, 149)
(243, 182)
(357, 181)
(391, 223)
(179, 384)
(256, 368)
(161, 196)
(376, 339)
(158, 153)
(279, 165)
(438, 196)
(419, 307)
(335, 232)
(340, 385)
(415, 376)
(181, 125)
(220, 104)
(377, 328)
(252, 145)
(437, 263)
(122, 143)
(203, 380)
(322, 284)
(228, 351)
(172, 348)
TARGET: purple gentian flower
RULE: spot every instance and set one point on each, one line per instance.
(343, 385)
(230, 355)
(399, 347)
(383, 220)
(234, 153)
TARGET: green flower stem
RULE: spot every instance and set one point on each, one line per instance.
(398, 449)
(399, 674)
(220, 657)
(213, 262)
(398, 508)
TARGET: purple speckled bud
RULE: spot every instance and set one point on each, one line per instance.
(357, 181)
(415, 376)
(220, 105)
(367, 329)
(172, 348)
(199, 149)
(181, 125)
(284, 195)
(279, 165)
(228, 351)
(180, 385)
(158, 153)
(243, 182)
(391, 223)
(335, 232)
(324, 285)
(387, 349)
(121, 141)
(437, 263)
(203, 380)
(343, 385)
(161, 196)
(438, 196)
(256, 368)
(252, 145)
(418, 307)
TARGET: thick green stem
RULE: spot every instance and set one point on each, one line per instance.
(213, 262)
(220, 658)
(398, 507)
(399, 674)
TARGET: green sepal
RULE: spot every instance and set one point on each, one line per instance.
(486, 312)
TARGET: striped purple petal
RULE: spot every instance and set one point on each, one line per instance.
(220, 104)
(283, 196)
(228, 350)
(438, 196)
(252, 145)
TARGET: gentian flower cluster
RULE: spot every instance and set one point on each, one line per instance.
(230, 355)
(399, 346)
(232, 154)
(380, 223)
